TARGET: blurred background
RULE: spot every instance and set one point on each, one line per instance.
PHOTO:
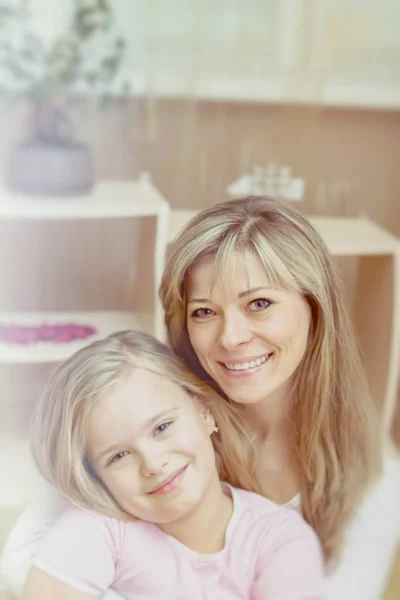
(203, 91)
(197, 94)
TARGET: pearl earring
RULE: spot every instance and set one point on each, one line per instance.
(215, 430)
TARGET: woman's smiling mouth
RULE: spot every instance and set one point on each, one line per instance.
(247, 365)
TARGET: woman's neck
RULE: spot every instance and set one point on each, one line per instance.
(270, 418)
(204, 529)
(275, 438)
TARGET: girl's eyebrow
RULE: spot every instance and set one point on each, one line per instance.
(160, 415)
(146, 424)
(248, 292)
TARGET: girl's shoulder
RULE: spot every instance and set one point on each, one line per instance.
(263, 514)
(252, 502)
(262, 524)
(79, 519)
(84, 531)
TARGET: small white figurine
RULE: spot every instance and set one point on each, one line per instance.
(271, 180)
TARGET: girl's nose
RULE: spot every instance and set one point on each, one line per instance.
(153, 463)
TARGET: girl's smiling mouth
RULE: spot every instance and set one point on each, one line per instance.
(171, 483)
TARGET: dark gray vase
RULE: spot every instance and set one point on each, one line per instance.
(51, 162)
(59, 169)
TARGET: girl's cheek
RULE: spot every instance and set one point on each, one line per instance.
(189, 438)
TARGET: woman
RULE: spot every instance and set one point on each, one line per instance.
(253, 306)
(251, 280)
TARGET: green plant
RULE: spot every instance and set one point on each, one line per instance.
(88, 57)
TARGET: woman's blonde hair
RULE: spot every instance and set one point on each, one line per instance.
(61, 418)
(336, 422)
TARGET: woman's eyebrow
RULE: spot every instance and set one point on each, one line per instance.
(248, 292)
(254, 290)
(198, 300)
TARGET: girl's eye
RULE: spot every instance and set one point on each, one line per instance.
(202, 313)
(161, 428)
(259, 304)
(118, 456)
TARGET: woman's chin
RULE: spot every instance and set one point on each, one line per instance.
(243, 392)
(245, 399)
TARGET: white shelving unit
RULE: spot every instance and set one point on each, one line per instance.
(105, 323)
(108, 200)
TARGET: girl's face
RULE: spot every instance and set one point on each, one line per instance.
(248, 336)
(149, 442)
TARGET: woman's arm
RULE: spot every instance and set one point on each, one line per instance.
(23, 542)
(41, 586)
(371, 541)
(25, 539)
(82, 550)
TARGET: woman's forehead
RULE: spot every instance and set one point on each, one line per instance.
(238, 270)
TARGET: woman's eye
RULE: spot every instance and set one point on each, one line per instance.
(259, 304)
(161, 428)
(202, 313)
(118, 456)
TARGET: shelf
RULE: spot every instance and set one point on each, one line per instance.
(273, 91)
(107, 200)
(344, 236)
(347, 236)
(106, 322)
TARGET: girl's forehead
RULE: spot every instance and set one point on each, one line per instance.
(143, 388)
(134, 404)
(140, 398)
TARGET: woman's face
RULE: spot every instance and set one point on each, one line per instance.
(149, 442)
(248, 336)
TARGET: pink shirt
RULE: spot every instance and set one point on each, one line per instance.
(270, 553)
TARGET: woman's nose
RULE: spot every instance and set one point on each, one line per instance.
(235, 330)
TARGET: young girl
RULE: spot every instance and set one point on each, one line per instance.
(138, 444)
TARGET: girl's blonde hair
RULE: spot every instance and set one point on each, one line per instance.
(336, 422)
(61, 418)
